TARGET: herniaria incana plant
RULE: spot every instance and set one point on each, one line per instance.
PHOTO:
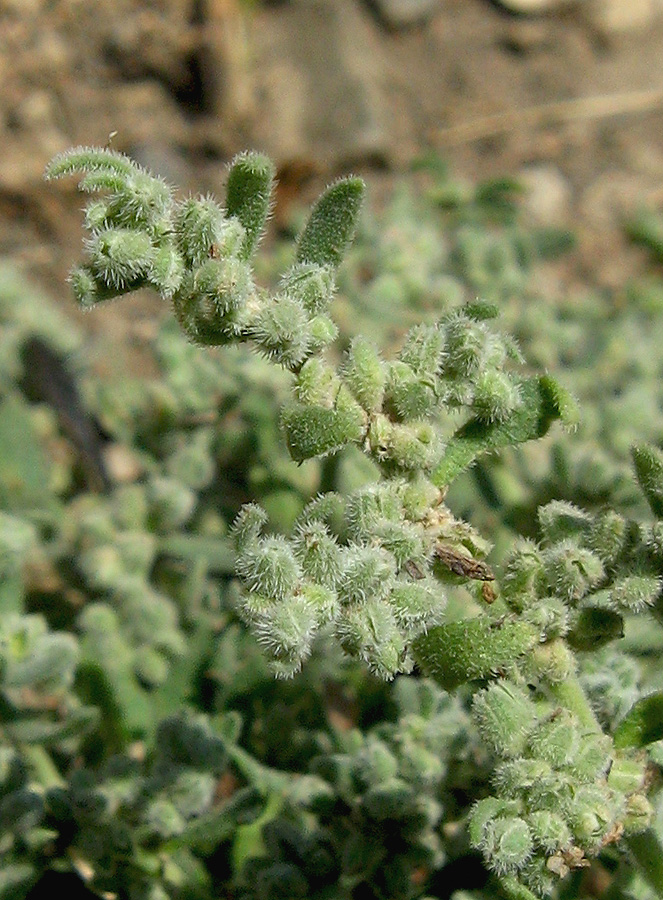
(388, 571)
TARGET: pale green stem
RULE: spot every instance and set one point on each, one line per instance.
(571, 696)
(648, 854)
(42, 766)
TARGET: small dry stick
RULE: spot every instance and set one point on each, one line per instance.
(598, 107)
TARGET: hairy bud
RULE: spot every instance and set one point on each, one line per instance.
(422, 350)
(505, 716)
(648, 463)
(496, 396)
(369, 632)
(315, 430)
(281, 330)
(590, 813)
(367, 574)
(560, 520)
(318, 552)
(549, 830)
(364, 374)
(507, 844)
(269, 568)
(119, 257)
(410, 396)
(311, 285)
(203, 231)
(209, 298)
(572, 570)
(248, 197)
(317, 383)
(556, 739)
(635, 592)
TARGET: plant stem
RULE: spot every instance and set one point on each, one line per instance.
(648, 854)
(42, 766)
(570, 695)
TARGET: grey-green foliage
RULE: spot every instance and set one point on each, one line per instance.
(120, 819)
(564, 788)
(430, 250)
(367, 565)
(346, 570)
(97, 649)
(369, 814)
(390, 409)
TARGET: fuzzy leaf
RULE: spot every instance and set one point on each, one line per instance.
(543, 401)
(643, 724)
(646, 849)
(204, 833)
(43, 731)
(514, 890)
(332, 222)
(248, 196)
(24, 469)
(471, 649)
(594, 627)
(648, 462)
(89, 159)
(315, 431)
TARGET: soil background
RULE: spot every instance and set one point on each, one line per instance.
(569, 99)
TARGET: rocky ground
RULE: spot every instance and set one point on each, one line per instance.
(566, 95)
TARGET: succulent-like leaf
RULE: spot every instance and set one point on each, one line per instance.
(248, 196)
(331, 224)
(542, 402)
(643, 724)
(90, 159)
(648, 462)
(471, 649)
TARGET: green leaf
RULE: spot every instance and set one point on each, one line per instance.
(185, 673)
(248, 196)
(648, 462)
(89, 159)
(315, 430)
(648, 854)
(106, 676)
(471, 649)
(16, 879)
(126, 711)
(204, 834)
(595, 627)
(24, 468)
(514, 890)
(543, 401)
(552, 242)
(45, 731)
(248, 840)
(12, 591)
(216, 552)
(646, 229)
(643, 724)
(332, 223)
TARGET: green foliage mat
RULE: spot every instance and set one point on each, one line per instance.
(144, 741)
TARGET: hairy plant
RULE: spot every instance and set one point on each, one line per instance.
(366, 566)
(567, 770)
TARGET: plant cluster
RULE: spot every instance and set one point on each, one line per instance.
(381, 799)
(124, 648)
(378, 592)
